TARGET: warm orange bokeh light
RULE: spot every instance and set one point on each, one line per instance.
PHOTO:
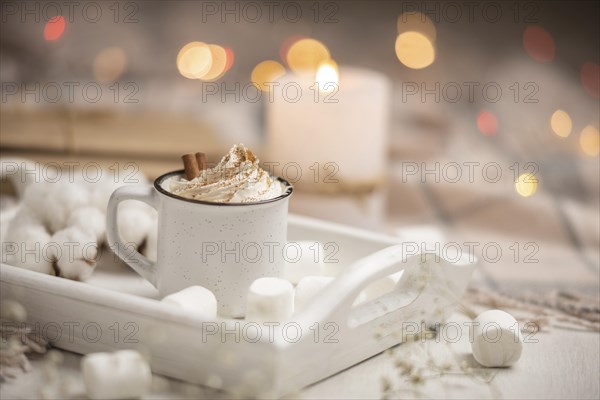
(539, 44)
(590, 78)
(194, 60)
(589, 140)
(54, 28)
(487, 123)
(305, 55)
(415, 50)
(561, 123)
(109, 64)
(230, 58)
(266, 72)
(287, 44)
(219, 63)
(417, 22)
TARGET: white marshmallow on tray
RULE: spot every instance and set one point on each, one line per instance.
(270, 300)
(303, 258)
(196, 300)
(123, 374)
(497, 340)
(307, 289)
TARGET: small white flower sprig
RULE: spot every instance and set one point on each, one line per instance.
(16, 340)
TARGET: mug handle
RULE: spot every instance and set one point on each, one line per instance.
(137, 261)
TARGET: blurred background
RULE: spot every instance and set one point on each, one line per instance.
(470, 123)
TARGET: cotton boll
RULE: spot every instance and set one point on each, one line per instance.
(63, 198)
(134, 225)
(34, 199)
(112, 180)
(90, 219)
(26, 245)
(76, 251)
(101, 191)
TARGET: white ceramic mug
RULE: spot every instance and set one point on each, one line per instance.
(215, 245)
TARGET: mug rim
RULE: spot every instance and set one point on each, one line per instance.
(159, 188)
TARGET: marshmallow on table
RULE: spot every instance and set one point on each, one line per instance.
(270, 300)
(197, 300)
(120, 375)
(308, 288)
(308, 261)
(497, 340)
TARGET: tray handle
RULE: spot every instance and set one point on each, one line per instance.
(335, 304)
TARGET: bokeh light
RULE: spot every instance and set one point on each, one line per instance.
(328, 76)
(55, 27)
(194, 60)
(305, 55)
(265, 72)
(590, 78)
(414, 50)
(526, 184)
(219, 63)
(109, 64)
(287, 44)
(539, 44)
(230, 58)
(416, 22)
(589, 139)
(561, 123)
(487, 123)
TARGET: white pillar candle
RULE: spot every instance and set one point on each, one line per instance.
(497, 340)
(337, 136)
(120, 375)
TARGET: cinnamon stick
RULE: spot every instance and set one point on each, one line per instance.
(201, 160)
(191, 166)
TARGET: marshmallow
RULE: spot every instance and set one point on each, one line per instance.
(270, 300)
(307, 289)
(303, 258)
(497, 340)
(196, 300)
(382, 286)
(120, 375)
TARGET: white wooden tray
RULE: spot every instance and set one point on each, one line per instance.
(116, 309)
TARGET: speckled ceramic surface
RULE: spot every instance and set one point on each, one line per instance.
(223, 247)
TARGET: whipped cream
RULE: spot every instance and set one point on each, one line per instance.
(237, 178)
